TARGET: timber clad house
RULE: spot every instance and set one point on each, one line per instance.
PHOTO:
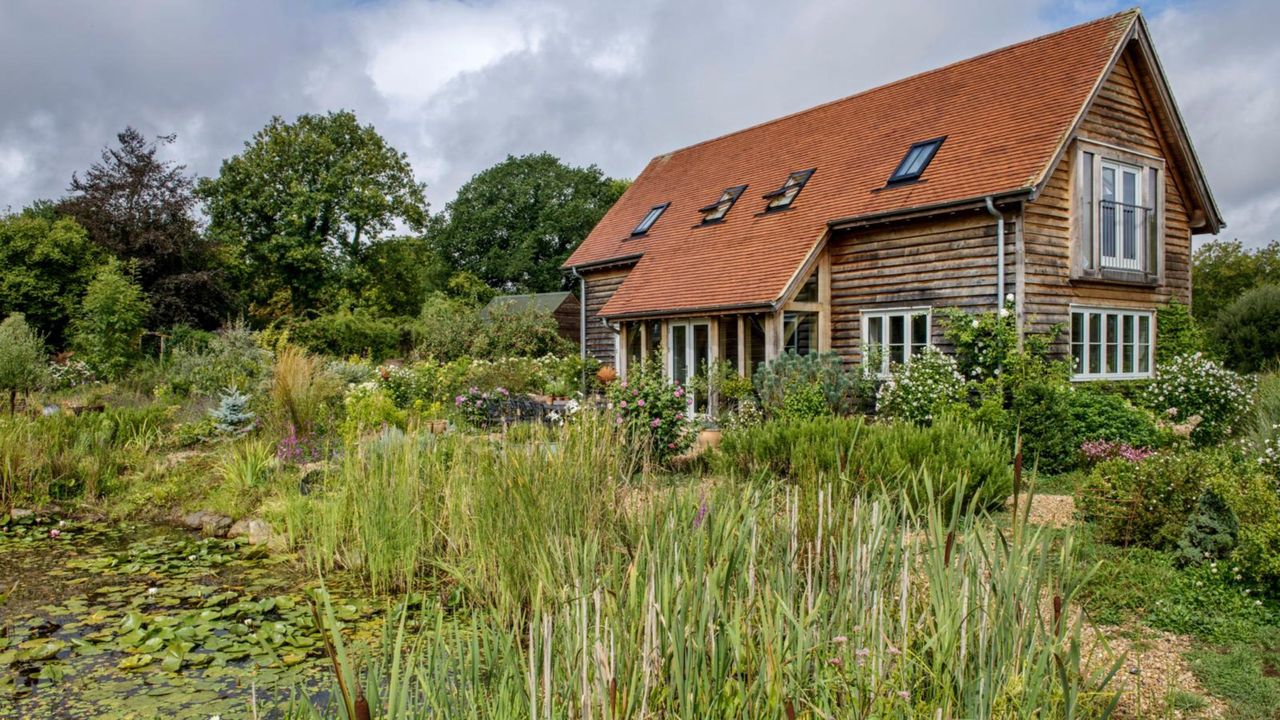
(1056, 173)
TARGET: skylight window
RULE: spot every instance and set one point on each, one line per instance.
(782, 197)
(716, 211)
(649, 219)
(917, 159)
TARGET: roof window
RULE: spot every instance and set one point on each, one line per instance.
(716, 211)
(650, 218)
(782, 197)
(916, 160)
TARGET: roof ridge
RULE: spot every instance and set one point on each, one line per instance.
(1132, 12)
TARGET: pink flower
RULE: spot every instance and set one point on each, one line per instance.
(55, 533)
(479, 403)
(679, 392)
(904, 694)
(619, 421)
(640, 402)
(656, 422)
(679, 416)
(623, 404)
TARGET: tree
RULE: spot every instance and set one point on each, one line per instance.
(107, 330)
(395, 275)
(1222, 270)
(1248, 330)
(140, 209)
(46, 262)
(514, 224)
(302, 203)
(21, 358)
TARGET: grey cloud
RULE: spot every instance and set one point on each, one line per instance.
(459, 86)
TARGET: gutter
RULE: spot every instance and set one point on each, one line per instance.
(999, 216)
(582, 326)
(924, 210)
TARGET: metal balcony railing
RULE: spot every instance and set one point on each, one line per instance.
(1125, 234)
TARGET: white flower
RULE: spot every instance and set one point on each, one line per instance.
(1008, 298)
(152, 590)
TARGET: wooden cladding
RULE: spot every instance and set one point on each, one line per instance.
(601, 340)
(1120, 125)
(936, 262)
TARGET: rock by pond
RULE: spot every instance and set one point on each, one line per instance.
(135, 621)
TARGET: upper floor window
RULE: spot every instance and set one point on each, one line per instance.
(783, 196)
(916, 160)
(1117, 217)
(1111, 344)
(892, 337)
(649, 219)
(716, 211)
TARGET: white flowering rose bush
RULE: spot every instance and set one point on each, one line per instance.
(1193, 385)
(922, 387)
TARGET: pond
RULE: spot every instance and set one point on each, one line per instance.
(138, 621)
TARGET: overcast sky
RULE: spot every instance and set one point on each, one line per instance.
(458, 86)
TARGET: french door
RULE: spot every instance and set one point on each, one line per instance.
(688, 354)
(1121, 217)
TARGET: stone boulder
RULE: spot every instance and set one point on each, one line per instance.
(253, 530)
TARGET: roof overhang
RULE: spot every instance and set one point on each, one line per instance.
(606, 264)
(925, 211)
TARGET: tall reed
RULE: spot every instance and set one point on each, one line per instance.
(723, 609)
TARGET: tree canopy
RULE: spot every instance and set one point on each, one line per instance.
(46, 262)
(515, 223)
(1223, 270)
(302, 203)
(140, 209)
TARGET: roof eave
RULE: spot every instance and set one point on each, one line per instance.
(920, 211)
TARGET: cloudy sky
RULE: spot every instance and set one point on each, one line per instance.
(458, 86)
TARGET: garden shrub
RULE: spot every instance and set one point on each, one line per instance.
(1177, 332)
(798, 373)
(1148, 502)
(918, 390)
(1255, 500)
(804, 402)
(1211, 532)
(1194, 385)
(507, 332)
(1097, 415)
(652, 413)
(1248, 330)
(445, 327)
(1041, 415)
(232, 415)
(850, 452)
(232, 358)
(368, 407)
(983, 342)
(22, 367)
(351, 333)
(351, 371)
(67, 374)
(108, 327)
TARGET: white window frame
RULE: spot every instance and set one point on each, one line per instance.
(1087, 342)
(906, 313)
(1117, 261)
(668, 352)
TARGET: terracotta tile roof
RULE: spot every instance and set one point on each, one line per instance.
(1004, 115)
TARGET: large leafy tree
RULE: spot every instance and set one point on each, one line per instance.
(46, 262)
(395, 274)
(515, 223)
(303, 202)
(140, 209)
(108, 327)
(1223, 270)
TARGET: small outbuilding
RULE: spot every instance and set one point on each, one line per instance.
(563, 306)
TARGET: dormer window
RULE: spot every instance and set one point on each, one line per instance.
(716, 211)
(783, 196)
(650, 218)
(916, 160)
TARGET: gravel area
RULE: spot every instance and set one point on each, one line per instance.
(1051, 510)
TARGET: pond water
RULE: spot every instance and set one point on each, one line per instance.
(137, 621)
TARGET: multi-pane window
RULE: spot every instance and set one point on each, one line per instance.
(783, 196)
(1117, 221)
(1112, 344)
(1122, 219)
(892, 337)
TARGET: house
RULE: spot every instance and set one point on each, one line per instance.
(562, 306)
(1056, 172)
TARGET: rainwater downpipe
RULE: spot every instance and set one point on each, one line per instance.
(999, 216)
(582, 326)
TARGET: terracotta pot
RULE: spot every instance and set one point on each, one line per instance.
(708, 439)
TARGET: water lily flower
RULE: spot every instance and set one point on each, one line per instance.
(54, 533)
(152, 590)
